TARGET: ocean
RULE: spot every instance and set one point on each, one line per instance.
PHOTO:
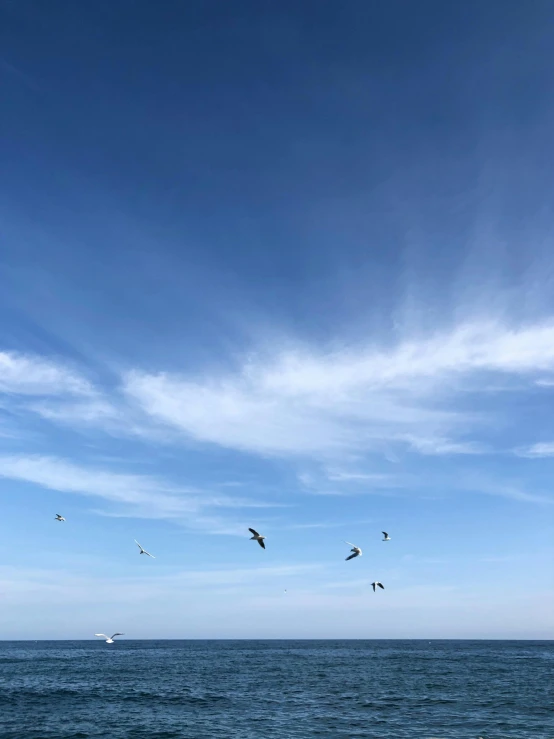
(269, 689)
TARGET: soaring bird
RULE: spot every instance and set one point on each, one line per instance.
(59, 518)
(386, 536)
(257, 537)
(143, 551)
(109, 639)
(356, 551)
(375, 584)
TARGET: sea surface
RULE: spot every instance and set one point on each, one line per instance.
(269, 689)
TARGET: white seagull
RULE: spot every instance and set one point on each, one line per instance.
(356, 551)
(143, 551)
(386, 536)
(375, 584)
(257, 537)
(109, 639)
(59, 518)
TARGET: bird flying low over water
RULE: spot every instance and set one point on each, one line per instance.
(386, 537)
(375, 584)
(109, 639)
(59, 518)
(257, 537)
(356, 551)
(143, 551)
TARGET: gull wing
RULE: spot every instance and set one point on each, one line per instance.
(138, 545)
(261, 543)
(253, 531)
(104, 635)
(384, 533)
(148, 553)
(351, 556)
(380, 584)
(350, 544)
(117, 634)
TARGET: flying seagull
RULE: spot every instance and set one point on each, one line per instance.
(59, 518)
(143, 551)
(356, 551)
(257, 537)
(375, 584)
(109, 639)
(386, 536)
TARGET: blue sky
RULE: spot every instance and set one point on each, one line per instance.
(283, 266)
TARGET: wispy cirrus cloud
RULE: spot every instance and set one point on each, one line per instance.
(26, 374)
(298, 403)
(60, 474)
(431, 486)
(542, 449)
(500, 488)
(136, 495)
(301, 402)
(335, 475)
(438, 446)
(545, 382)
(338, 482)
(327, 524)
(96, 411)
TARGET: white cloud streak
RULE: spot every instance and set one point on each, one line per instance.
(323, 405)
(503, 489)
(355, 477)
(144, 496)
(22, 374)
(302, 403)
(94, 411)
(328, 524)
(545, 382)
(535, 451)
(438, 446)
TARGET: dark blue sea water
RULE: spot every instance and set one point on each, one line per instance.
(285, 689)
